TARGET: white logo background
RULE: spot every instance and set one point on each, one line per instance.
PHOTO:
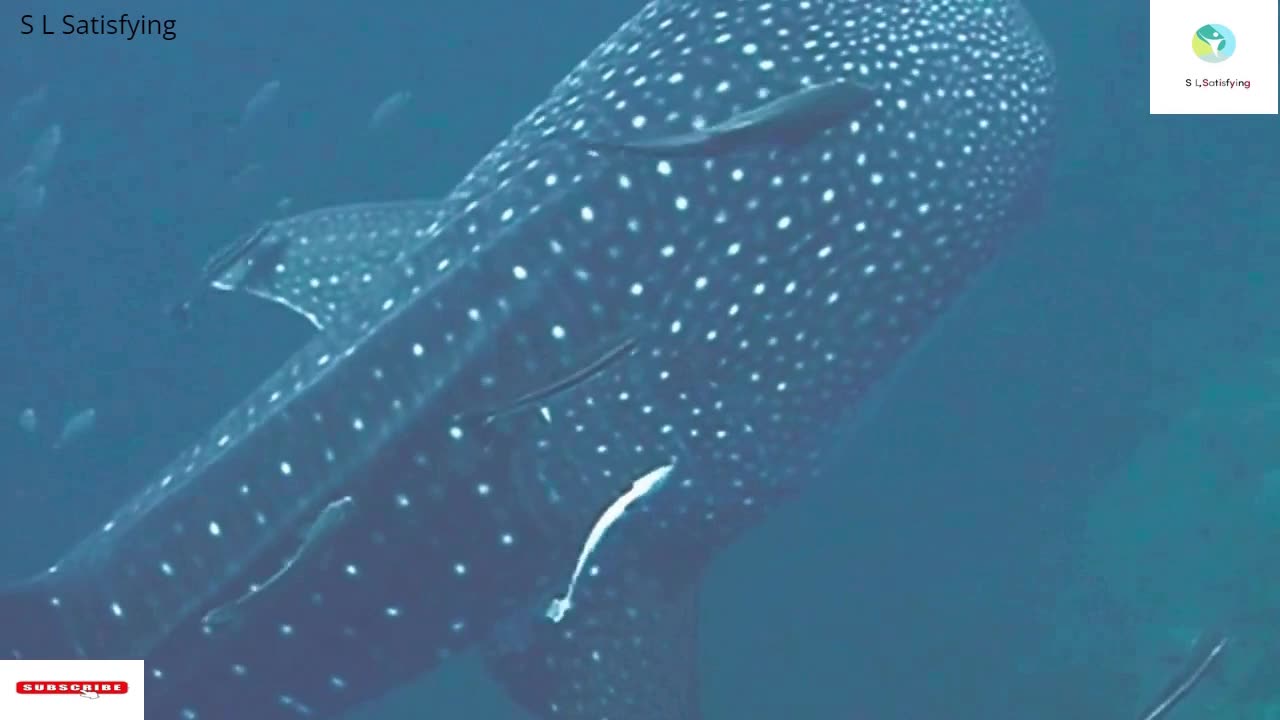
(14, 706)
(1254, 23)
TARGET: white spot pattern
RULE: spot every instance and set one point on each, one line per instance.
(765, 289)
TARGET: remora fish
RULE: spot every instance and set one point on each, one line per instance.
(1203, 656)
(311, 549)
(677, 343)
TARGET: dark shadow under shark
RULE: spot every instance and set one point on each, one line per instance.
(536, 408)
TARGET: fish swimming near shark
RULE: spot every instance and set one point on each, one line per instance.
(262, 99)
(1204, 655)
(388, 110)
(534, 410)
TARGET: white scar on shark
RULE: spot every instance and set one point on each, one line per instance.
(647, 483)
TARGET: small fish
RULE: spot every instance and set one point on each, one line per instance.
(27, 107)
(44, 150)
(76, 426)
(1206, 652)
(24, 196)
(246, 174)
(30, 201)
(23, 175)
(388, 109)
(258, 104)
(27, 420)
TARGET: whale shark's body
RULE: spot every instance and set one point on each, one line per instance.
(535, 409)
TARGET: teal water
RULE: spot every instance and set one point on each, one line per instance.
(1077, 476)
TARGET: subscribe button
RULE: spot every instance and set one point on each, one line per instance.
(31, 687)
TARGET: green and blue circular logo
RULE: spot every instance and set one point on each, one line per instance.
(1213, 43)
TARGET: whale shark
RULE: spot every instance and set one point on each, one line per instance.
(535, 409)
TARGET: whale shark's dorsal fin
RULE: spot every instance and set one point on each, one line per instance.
(788, 120)
(314, 262)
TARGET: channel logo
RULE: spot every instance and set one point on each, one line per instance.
(1233, 67)
(1213, 43)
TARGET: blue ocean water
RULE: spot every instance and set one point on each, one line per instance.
(984, 549)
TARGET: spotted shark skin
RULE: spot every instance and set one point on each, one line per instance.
(759, 294)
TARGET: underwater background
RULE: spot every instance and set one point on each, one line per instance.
(1078, 475)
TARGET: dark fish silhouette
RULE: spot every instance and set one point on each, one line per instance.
(792, 119)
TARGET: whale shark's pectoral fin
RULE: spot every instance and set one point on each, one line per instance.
(789, 120)
(627, 651)
(315, 262)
